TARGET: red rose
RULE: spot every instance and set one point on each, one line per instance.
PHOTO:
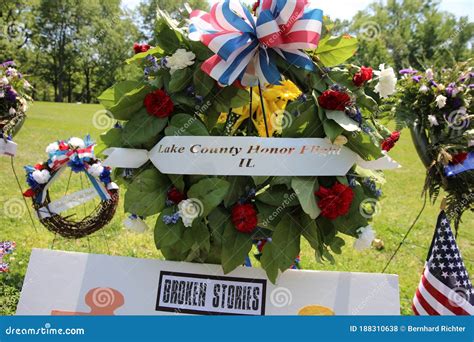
(63, 146)
(244, 218)
(389, 143)
(39, 167)
(364, 75)
(140, 48)
(175, 196)
(459, 158)
(334, 100)
(335, 201)
(158, 103)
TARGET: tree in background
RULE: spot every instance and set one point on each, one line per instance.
(411, 33)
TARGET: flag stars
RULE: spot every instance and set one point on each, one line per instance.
(445, 275)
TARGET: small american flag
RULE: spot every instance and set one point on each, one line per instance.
(445, 288)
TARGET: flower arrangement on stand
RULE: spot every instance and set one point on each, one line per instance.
(214, 79)
(437, 106)
(14, 98)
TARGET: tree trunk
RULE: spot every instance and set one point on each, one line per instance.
(69, 89)
(88, 85)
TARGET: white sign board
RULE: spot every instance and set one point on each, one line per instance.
(7, 147)
(245, 156)
(69, 283)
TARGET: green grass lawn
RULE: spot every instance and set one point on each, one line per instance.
(48, 122)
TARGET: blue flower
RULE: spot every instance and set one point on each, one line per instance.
(76, 164)
(171, 219)
(105, 176)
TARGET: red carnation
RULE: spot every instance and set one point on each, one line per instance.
(244, 217)
(389, 143)
(175, 196)
(140, 47)
(364, 75)
(29, 193)
(459, 158)
(334, 100)
(39, 167)
(63, 146)
(158, 103)
(335, 201)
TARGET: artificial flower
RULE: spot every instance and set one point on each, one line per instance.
(244, 217)
(433, 121)
(364, 75)
(387, 81)
(459, 158)
(340, 140)
(441, 101)
(389, 143)
(181, 59)
(366, 236)
(171, 219)
(76, 142)
(175, 196)
(135, 223)
(41, 176)
(158, 103)
(334, 100)
(95, 170)
(140, 47)
(3, 81)
(29, 193)
(12, 111)
(424, 89)
(105, 176)
(334, 201)
(429, 74)
(189, 209)
(417, 78)
(407, 71)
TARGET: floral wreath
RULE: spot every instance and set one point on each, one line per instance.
(438, 107)
(196, 83)
(78, 155)
(14, 98)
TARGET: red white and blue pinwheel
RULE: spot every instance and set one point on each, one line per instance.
(246, 46)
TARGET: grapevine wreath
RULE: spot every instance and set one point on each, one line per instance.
(78, 155)
(438, 107)
(221, 76)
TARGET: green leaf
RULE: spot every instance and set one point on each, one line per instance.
(306, 124)
(310, 231)
(201, 51)
(139, 56)
(336, 245)
(236, 189)
(236, 247)
(278, 195)
(167, 235)
(286, 242)
(269, 215)
(146, 194)
(203, 82)
(112, 138)
(218, 219)
(304, 188)
(185, 124)
(179, 80)
(269, 262)
(231, 97)
(111, 95)
(210, 191)
(258, 180)
(129, 103)
(362, 144)
(142, 128)
(177, 181)
(333, 51)
(167, 39)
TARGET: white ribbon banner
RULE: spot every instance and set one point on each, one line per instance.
(7, 147)
(67, 202)
(246, 156)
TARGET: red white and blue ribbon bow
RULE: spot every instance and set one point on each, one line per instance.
(246, 46)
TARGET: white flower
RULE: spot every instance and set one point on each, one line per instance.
(2, 94)
(387, 81)
(23, 105)
(13, 72)
(3, 81)
(433, 121)
(424, 89)
(135, 223)
(429, 74)
(189, 209)
(441, 101)
(180, 60)
(12, 111)
(366, 236)
(76, 142)
(26, 84)
(53, 147)
(41, 176)
(95, 170)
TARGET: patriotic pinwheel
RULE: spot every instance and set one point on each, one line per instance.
(246, 47)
